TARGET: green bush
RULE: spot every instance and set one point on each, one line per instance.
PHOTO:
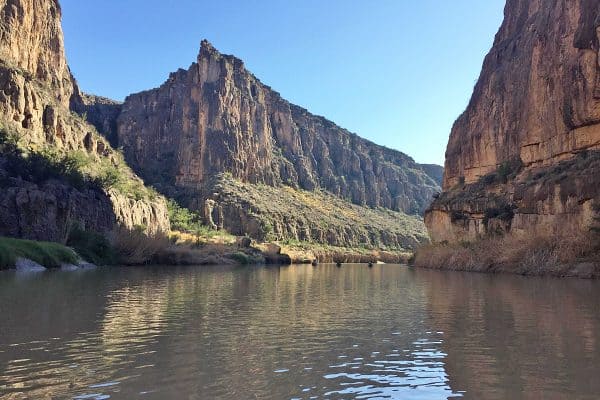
(508, 170)
(50, 255)
(110, 178)
(76, 168)
(91, 246)
(181, 218)
(41, 166)
(240, 257)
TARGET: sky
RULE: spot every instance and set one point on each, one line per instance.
(396, 72)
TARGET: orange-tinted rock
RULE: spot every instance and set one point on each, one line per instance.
(536, 106)
(538, 97)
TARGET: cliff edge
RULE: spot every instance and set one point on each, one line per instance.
(41, 138)
(522, 174)
(521, 157)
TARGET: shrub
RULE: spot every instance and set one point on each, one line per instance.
(110, 178)
(456, 216)
(91, 246)
(509, 169)
(50, 255)
(529, 255)
(505, 171)
(240, 257)
(504, 213)
(489, 179)
(134, 247)
(182, 219)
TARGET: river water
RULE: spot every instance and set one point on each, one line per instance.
(297, 332)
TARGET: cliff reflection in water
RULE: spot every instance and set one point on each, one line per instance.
(295, 332)
(513, 337)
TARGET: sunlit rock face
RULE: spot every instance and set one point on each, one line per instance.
(38, 95)
(528, 138)
(32, 41)
(216, 117)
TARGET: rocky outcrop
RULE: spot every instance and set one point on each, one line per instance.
(436, 172)
(216, 117)
(149, 214)
(37, 98)
(31, 41)
(46, 212)
(523, 156)
(100, 112)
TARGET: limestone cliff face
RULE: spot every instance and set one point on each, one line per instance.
(37, 96)
(538, 97)
(514, 159)
(31, 40)
(46, 212)
(216, 117)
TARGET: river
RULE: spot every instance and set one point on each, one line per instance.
(297, 332)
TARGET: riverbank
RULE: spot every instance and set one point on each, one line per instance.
(126, 247)
(305, 252)
(29, 254)
(565, 254)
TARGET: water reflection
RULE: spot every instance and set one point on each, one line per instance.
(514, 337)
(294, 332)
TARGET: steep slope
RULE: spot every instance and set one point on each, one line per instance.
(37, 93)
(217, 120)
(523, 157)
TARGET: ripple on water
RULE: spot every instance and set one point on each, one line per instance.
(294, 332)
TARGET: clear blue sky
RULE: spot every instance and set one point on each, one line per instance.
(397, 72)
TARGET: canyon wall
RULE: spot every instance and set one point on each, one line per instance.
(213, 136)
(216, 117)
(523, 157)
(220, 141)
(37, 97)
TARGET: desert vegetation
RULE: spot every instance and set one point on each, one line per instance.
(77, 168)
(47, 254)
(305, 252)
(279, 214)
(567, 253)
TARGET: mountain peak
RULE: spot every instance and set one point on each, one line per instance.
(207, 46)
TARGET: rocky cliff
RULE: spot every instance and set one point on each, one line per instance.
(216, 118)
(523, 157)
(37, 96)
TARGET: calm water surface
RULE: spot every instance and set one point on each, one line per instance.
(297, 333)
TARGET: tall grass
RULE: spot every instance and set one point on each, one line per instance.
(49, 255)
(134, 247)
(555, 254)
(92, 246)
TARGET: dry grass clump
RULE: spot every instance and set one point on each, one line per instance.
(304, 253)
(134, 247)
(567, 253)
(190, 255)
(349, 256)
(215, 237)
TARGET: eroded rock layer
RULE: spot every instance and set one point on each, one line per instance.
(522, 156)
(216, 117)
